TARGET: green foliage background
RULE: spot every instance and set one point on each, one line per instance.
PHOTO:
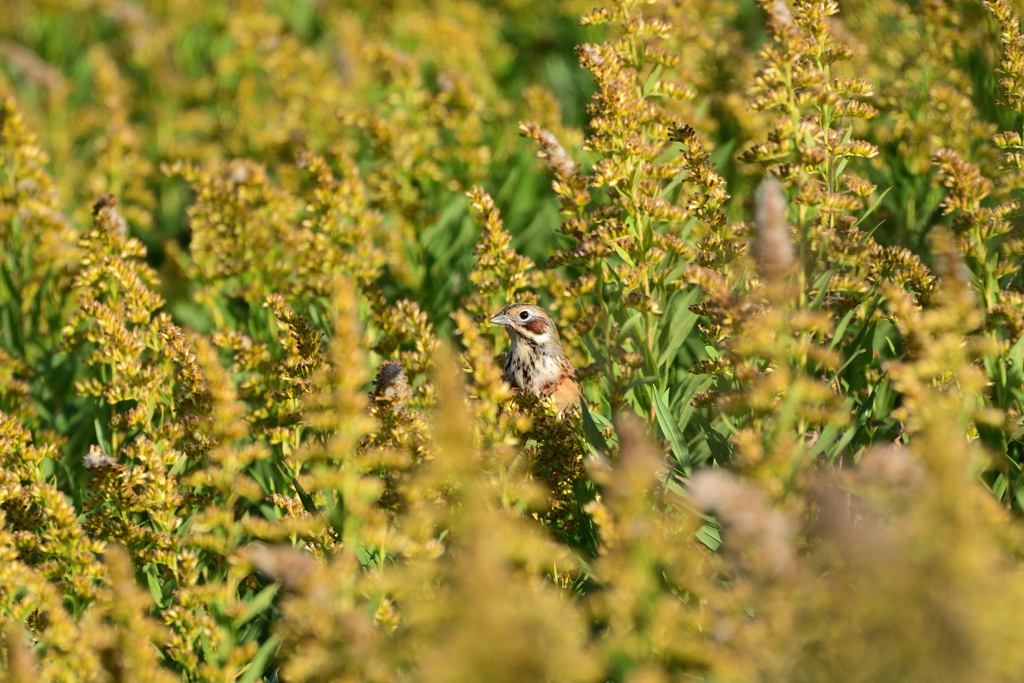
(252, 419)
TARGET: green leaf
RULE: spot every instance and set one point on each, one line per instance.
(100, 437)
(12, 316)
(998, 487)
(841, 328)
(841, 166)
(179, 465)
(307, 500)
(623, 255)
(155, 589)
(652, 80)
(671, 431)
(1015, 375)
(993, 437)
(259, 661)
(37, 301)
(685, 397)
(628, 326)
(260, 602)
(261, 478)
(10, 326)
(856, 425)
(821, 284)
(825, 439)
(682, 324)
(721, 450)
(676, 272)
(591, 347)
(640, 382)
(709, 536)
(861, 349)
(874, 206)
(672, 185)
(8, 283)
(590, 430)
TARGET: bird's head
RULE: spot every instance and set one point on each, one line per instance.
(528, 323)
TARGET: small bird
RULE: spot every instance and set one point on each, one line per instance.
(536, 361)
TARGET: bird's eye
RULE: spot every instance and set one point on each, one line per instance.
(524, 315)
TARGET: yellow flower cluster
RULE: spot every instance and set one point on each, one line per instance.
(253, 419)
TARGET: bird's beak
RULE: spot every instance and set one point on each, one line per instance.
(501, 319)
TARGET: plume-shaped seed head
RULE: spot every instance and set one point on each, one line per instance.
(773, 248)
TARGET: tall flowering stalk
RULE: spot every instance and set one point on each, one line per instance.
(650, 195)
